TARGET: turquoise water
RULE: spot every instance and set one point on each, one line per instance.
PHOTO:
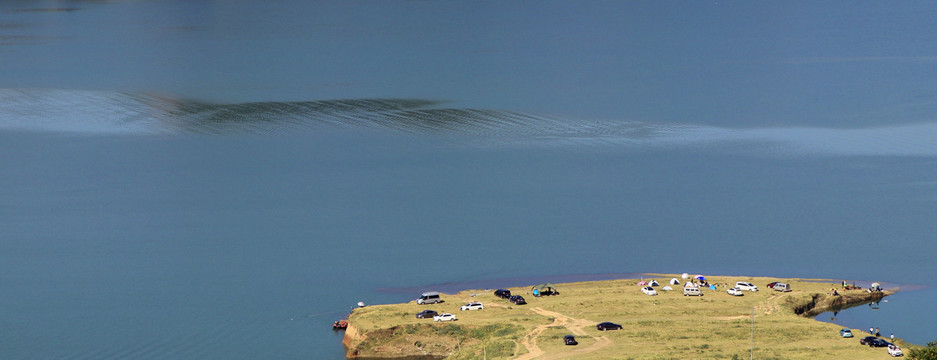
(202, 180)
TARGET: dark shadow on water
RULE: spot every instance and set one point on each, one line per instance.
(44, 10)
(874, 304)
(111, 112)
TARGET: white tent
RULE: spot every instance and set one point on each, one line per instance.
(653, 283)
(674, 281)
(689, 284)
(668, 288)
(685, 276)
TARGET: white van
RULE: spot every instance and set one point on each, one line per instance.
(745, 285)
(782, 287)
(429, 298)
(692, 291)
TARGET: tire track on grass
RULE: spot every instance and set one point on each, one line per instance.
(573, 324)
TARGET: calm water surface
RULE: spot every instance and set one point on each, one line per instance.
(199, 180)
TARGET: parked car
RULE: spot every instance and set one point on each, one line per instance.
(518, 300)
(431, 297)
(893, 350)
(503, 293)
(782, 287)
(692, 291)
(607, 326)
(879, 343)
(745, 285)
(570, 340)
(846, 333)
(649, 290)
(772, 284)
(734, 291)
(444, 317)
(426, 314)
(873, 341)
(472, 306)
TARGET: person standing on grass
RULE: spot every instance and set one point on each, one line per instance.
(892, 336)
(871, 331)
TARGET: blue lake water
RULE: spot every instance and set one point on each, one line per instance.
(200, 180)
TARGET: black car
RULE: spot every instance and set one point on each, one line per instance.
(503, 293)
(873, 341)
(518, 300)
(878, 343)
(608, 326)
(570, 340)
(426, 314)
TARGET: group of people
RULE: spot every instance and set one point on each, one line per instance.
(874, 331)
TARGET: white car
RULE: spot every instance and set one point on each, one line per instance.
(472, 306)
(649, 290)
(444, 317)
(734, 291)
(745, 285)
(894, 351)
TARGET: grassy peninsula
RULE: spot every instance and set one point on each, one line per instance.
(665, 326)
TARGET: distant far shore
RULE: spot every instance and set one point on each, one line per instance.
(717, 325)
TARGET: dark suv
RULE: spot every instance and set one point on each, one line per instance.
(873, 341)
(426, 314)
(518, 300)
(503, 293)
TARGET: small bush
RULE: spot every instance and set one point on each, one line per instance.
(451, 330)
(500, 349)
(925, 353)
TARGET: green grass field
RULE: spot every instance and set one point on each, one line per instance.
(666, 326)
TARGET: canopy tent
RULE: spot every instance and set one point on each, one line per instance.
(544, 289)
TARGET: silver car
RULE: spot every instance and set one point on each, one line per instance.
(444, 317)
(745, 285)
(472, 306)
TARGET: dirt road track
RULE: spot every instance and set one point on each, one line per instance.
(574, 325)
